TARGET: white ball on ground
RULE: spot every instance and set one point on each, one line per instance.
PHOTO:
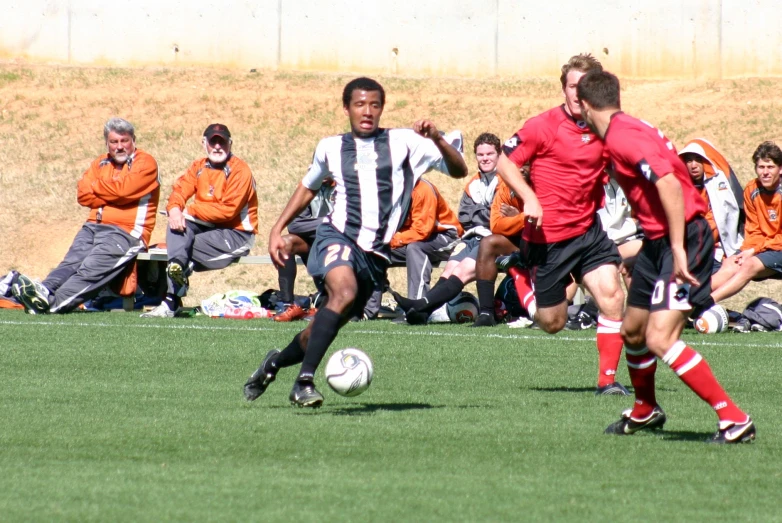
(349, 372)
(712, 320)
(463, 309)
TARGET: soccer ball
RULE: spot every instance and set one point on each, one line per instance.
(349, 372)
(713, 320)
(463, 308)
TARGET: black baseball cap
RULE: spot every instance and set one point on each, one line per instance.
(217, 129)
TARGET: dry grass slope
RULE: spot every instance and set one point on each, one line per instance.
(51, 121)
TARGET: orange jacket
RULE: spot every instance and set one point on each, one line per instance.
(763, 228)
(506, 225)
(224, 198)
(429, 214)
(127, 198)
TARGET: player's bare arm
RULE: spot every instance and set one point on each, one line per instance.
(511, 175)
(673, 204)
(301, 197)
(453, 159)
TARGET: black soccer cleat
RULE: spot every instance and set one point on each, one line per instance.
(506, 261)
(416, 318)
(732, 433)
(484, 319)
(627, 425)
(304, 394)
(261, 378)
(31, 294)
(581, 321)
(612, 389)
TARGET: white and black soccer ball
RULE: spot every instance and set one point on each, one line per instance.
(349, 372)
(463, 309)
(712, 320)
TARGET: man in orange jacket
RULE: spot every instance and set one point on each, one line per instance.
(760, 257)
(217, 227)
(121, 188)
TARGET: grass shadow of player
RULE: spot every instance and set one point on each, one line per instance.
(363, 409)
(685, 435)
(579, 390)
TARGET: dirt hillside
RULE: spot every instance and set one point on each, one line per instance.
(51, 121)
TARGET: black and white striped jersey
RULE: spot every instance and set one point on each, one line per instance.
(374, 181)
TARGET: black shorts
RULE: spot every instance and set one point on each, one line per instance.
(466, 248)
(333, 249)
(652, 288)
(555, 265)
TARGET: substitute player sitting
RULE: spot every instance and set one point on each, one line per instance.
(121, 189)
(218, 226)
(673, 271)
(474, 216)
(760, 257)
(563, 238)
(375, 170)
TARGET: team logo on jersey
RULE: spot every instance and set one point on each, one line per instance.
(511, 144)
(722, 186)
(366, 160)
(585, 138)
(772, 215)
(211, 191)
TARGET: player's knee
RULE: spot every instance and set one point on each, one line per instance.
(632, 337)
(552, 325)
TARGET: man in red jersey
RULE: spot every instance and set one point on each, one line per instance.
(673, 270)
(562, 234)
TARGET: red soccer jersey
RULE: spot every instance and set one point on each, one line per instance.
(641, 155)
(567, 162)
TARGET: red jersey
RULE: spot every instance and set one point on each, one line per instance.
(567, 163)
(641, 155)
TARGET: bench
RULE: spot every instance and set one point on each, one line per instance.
(160, 255)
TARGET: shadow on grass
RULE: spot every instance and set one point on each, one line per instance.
(580, 390)
(685, 435)
(363, 409)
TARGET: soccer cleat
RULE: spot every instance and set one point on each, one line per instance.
(304, 394)
(627, 425)
(734, 433)
(757, 327)
(520, 323)
(581, 321)
(161, 311)
(31, 294)
(506, 261)
(261, 378)
(416, 318)
(177, 274)
(291, 313)
(612, 389)
(484, 319)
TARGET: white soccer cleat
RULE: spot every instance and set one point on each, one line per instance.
(161, 311)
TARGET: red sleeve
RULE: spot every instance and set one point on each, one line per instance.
(423, 215)
(641, 155)
(527, 142)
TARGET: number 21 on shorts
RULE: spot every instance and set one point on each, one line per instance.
(337, 251)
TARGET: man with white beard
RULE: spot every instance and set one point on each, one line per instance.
(217, 227)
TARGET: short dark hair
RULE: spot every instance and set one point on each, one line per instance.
(362, 84)
(487, 138)
(768, 151)
(583, 62)
(600, 89)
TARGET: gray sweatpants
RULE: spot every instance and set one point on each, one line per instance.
(200, 248)
(98, 254)
(418, 257)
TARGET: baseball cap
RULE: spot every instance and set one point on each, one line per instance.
(217, 129)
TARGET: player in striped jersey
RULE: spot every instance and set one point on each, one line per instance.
(673, 271)
(375, 170)
(121, 189)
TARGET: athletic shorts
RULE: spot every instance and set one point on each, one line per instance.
(771, 260)
(466, 248)
(652, 288)
(555, 265)
(333, 249)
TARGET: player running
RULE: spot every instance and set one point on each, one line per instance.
(673, 270)
(375, 170)
(562, 235)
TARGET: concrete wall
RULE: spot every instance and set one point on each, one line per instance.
(471, 38)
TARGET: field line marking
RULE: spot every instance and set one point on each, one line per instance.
(402, 332)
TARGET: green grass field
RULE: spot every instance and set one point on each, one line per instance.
(107, 417)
